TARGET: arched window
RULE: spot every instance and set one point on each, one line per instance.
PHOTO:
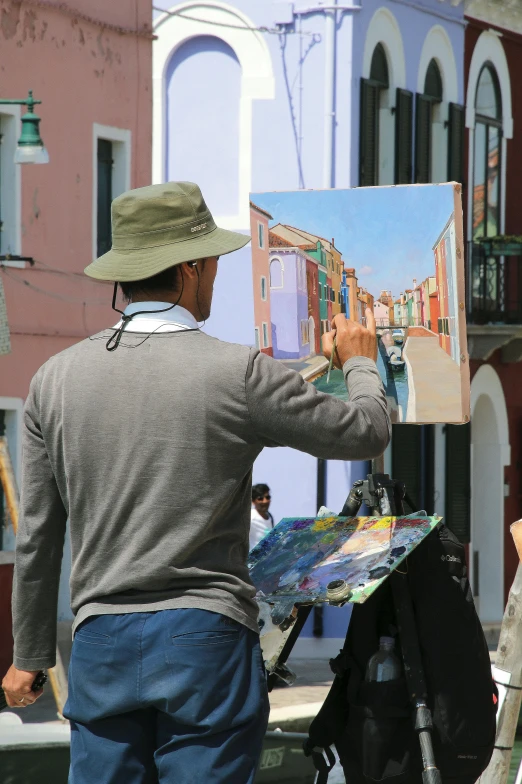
(487, 145)
(372, 90)
(426, 108)
(276, 274)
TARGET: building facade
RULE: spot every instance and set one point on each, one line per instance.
(493, 160)
(56, 217)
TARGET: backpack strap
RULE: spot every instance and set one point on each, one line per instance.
(323, 766)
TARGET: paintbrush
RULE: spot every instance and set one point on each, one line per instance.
(330, 366)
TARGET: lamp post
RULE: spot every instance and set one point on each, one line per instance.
(30, 147)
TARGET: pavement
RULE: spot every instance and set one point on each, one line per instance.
(292, 708)
(435, 390)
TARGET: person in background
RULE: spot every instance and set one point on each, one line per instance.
(261, 521)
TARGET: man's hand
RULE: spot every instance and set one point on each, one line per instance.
(17, 687)
(352, 339)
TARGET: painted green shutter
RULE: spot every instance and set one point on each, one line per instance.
(422, 139)
(403, 137)
(458, 481)
(456, 143)
(368, 142)
(104, 239)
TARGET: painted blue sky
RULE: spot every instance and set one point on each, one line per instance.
(387, 234)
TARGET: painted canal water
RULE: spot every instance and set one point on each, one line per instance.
(395, 381)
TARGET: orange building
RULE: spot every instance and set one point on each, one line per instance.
(353, 303)
(261, 278)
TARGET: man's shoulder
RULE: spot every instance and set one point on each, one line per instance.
(62, 358)
(225, 351)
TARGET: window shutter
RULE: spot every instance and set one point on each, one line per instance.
(456, 143)
(104, 239)
(407, 459)
(422, 139)
(368, 142)
(458, 481)
(403, 137)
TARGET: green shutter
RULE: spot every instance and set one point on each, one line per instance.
(458, 481)
(407, 459)
(369, 133)
(422, 139)
(456, 143)
(403, 136)
(104, 239)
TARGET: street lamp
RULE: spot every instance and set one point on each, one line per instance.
(30, 147)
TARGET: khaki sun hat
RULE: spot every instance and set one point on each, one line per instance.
(157, 227)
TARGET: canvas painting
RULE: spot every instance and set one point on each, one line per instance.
(397, 250)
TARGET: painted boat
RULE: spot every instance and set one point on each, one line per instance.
(398, 337)
(397, 364)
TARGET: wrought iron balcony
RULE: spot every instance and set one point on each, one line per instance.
(494, 281)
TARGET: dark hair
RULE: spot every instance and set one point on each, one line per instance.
(258, 491)
(169, 279)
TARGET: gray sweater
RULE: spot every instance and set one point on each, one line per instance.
(148, 452)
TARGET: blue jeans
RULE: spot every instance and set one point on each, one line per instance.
(175, 697)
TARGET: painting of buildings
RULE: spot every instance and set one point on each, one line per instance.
(404, 267)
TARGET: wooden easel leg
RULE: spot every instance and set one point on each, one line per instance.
(509, 659)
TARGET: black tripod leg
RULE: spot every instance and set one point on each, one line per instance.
(303, 612)
(414, 673)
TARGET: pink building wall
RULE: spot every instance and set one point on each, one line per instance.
(261, 270)
(87, 66)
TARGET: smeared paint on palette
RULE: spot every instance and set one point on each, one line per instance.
(300, 556)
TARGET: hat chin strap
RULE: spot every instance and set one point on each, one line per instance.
(114, 340)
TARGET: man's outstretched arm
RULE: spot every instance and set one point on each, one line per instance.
(288, 411)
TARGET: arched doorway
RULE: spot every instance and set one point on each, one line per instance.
(203, 134)
(490, 452)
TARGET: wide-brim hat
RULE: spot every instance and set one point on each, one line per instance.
(157, 227)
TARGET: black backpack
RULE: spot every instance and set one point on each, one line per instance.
(371, 724)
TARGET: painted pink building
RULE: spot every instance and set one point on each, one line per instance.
(261, 278)
(90, 63)
(381, 312)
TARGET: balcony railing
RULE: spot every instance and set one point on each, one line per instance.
(494, 282)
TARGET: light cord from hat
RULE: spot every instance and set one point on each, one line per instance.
(114, 340)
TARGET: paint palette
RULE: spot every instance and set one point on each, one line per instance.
(300, 557)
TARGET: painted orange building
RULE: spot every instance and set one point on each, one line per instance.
(261, 278)
(353, 304)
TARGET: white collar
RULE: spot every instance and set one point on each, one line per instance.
(173, 320)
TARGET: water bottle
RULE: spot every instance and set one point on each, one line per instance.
(384, 665)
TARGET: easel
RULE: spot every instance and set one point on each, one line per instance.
(57, 676)
(385, 497)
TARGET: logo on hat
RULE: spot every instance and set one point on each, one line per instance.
(198, 228)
